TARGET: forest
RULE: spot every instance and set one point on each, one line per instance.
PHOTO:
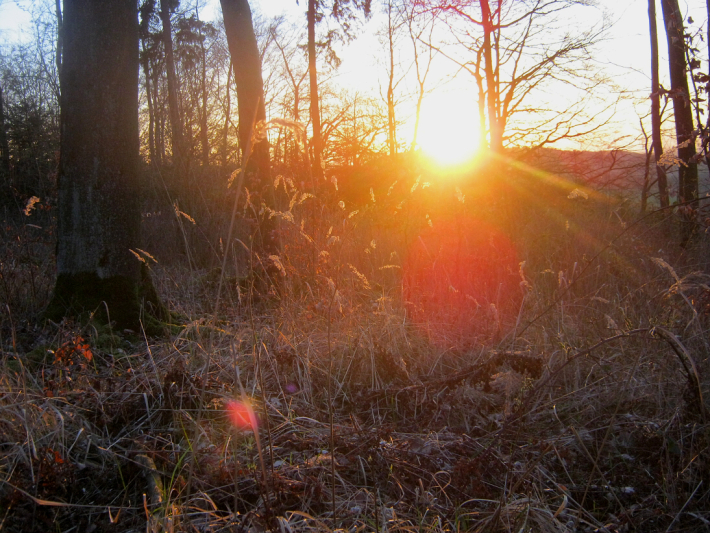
(354, 265)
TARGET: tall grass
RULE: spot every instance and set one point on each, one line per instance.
(492, 351)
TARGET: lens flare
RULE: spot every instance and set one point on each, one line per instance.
(241, 415)
(461, 277)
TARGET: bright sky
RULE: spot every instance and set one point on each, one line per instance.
(625, 54)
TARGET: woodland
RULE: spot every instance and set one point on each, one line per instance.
(238, 293)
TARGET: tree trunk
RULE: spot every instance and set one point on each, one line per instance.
(60, 39)
(227, 113)
(682, 110)
(159, 118)
(204, 137)
(657, 142)
(313, 77)
(99, 212)
(175, 119)
(246, 62)
(4, 144)
(391, 123)
(151, 113)
(496, 133)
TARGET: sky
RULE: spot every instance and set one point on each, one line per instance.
(624, 54)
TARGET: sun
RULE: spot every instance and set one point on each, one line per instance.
(448, 131)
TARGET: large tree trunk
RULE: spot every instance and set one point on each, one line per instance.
(99, 212)
(246, 62)
(656, 108)
(682, 110)
(313, 77)
(175, 119)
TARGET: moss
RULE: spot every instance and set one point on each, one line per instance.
(129, 303)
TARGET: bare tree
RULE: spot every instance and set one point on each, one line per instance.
(657, 142)
(683, 113)
(393, 25)
(343, 12)
(178, 150)
(514, 50)
(246, 62)
(4, 144)
(423, 56)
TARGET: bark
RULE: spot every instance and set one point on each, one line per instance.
(175, 118)
(657, 142)
(246, 62)
(683, 113)
(313, 78)
(60, 38)
(4, 144)
(98, 207)
(151, 112)
(204, 137)
(496, 132)
(227, 113)
(391, 123)
(682, 109)
(159, 118)
(422, 73)
(645, 189)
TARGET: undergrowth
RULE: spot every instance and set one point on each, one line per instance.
(503, 351)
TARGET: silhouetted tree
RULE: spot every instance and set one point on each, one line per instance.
(656, 108)
(342, 11)
(4, 145)
(508, 49)
(246, 63)
(682, 111)
(99, 212)
(178, 149)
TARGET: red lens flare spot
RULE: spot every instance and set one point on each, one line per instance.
(241, 415)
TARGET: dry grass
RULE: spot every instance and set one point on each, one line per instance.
(404, 379)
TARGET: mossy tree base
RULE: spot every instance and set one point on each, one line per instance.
(125, 301)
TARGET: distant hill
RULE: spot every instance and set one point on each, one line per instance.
(619, 171)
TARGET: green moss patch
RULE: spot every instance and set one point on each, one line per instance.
(117, 299)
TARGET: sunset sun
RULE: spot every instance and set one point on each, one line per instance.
(448, 133)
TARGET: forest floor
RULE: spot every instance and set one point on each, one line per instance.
(337, 399)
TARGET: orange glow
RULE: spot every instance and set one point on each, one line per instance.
(448, 132)
(461, 277)
(242, 415)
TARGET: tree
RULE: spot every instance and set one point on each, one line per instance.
(656, 108)
(313, 80)
(393, 25)
(98, 211)
(423, 59)
(246, 63)
(342, 11)
(4, 145)
(682, 112)
(178, 149)
(514, 49)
